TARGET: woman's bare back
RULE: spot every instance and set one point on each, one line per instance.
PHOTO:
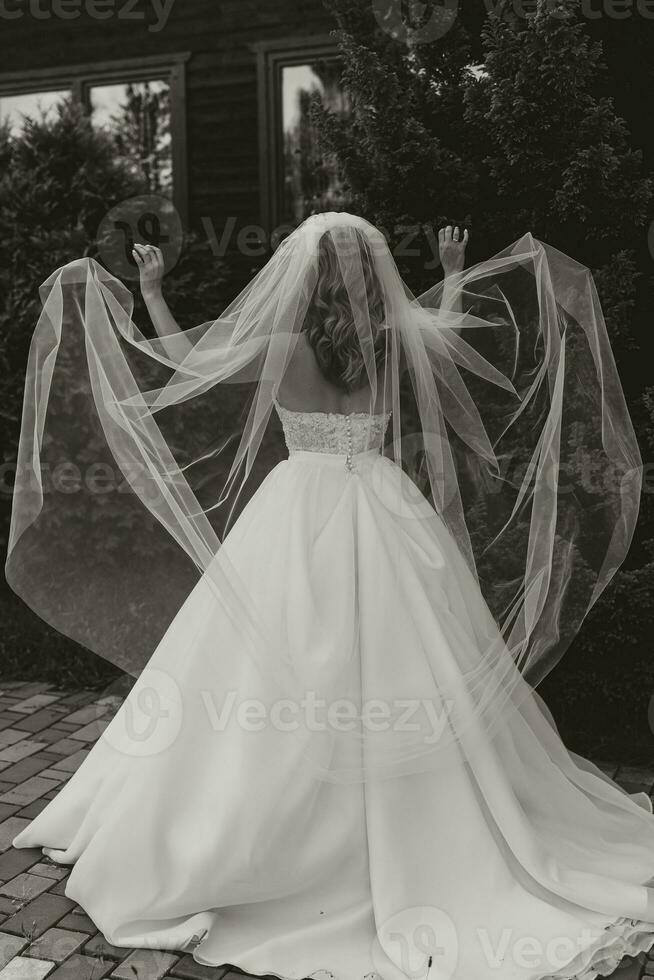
(304, 387)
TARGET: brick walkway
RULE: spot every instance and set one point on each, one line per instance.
(45, 733)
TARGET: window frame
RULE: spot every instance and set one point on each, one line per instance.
(80, 78)
(272, 58)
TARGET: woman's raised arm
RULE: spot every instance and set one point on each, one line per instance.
(452, 256)
(151, 271)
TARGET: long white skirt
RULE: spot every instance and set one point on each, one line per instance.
(195, 823)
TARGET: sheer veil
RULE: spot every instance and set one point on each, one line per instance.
(508, 427)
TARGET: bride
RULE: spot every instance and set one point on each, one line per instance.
(335, 762)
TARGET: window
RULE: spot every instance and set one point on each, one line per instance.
(14, 109)
(140, 104)
(136, 115)
(297, 178)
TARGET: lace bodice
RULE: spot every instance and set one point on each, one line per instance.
(332, 432)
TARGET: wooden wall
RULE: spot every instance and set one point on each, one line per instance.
(221, 74)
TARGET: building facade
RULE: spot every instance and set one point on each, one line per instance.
(208, 99)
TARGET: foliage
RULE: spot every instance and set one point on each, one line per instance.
(58, 179)
(402, 150)
(553, 147)
(60, 176)
(510, 131)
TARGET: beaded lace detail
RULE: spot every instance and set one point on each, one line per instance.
(333, 432)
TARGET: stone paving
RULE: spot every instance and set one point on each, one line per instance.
(45, 733)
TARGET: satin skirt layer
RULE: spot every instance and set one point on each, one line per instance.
(195, 823)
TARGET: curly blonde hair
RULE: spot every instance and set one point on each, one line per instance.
(329, 323)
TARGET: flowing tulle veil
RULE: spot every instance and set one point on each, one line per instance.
(507, 419)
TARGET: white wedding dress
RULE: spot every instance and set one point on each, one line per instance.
(197, 833)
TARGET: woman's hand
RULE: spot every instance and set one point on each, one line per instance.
(452, 249)
(151, 269)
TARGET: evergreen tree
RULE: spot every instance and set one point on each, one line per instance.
(402, 148)
(552, 152)
(559, 161)
(59, 177)
(522, 137)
